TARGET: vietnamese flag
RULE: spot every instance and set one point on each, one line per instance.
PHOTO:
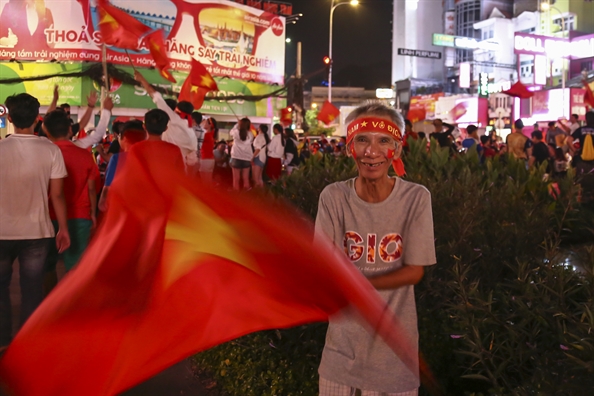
(118, 28)
(588, 95)
(176, 268)
(197, 84)
(328, 113)
(286, 116)
(156, 45)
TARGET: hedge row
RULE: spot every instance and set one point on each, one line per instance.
(503, 312)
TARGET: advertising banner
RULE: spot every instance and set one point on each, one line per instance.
(230, 39)
(70, 88)
(74, 90)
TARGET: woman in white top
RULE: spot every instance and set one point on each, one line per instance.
(276, 151)
(241, 153)
(260, 143)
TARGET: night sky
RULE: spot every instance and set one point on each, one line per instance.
(362, 42)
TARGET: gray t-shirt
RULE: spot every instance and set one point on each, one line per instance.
(378, 238)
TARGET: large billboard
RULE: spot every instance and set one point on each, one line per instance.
(230, 39)
(74, 90)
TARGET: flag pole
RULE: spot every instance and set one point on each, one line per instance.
(130, 60)
(104, 62)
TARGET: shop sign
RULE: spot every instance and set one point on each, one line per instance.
(446, 40)
(230, 39)
(419, 53)
(554, 47)
(483, 85)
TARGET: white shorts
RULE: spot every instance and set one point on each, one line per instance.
(207, 165)
(329, 388)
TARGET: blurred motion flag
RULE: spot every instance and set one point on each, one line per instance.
(176, 268)
(197, 84)
(118, 28)
(156, 45)
(459, 110)
(588, 95)
(519, 90)
(286, 116)
(328, 113)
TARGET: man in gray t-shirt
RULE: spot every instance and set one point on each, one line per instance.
(385, 226)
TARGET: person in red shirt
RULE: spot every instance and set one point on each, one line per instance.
(164, 153)
(207, 159)
(79, 189)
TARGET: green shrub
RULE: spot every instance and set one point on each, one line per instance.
(500, 313)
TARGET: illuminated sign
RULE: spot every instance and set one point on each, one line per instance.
(384, 93)
(419, 53)
(464, 81)
(554, 47)
(540, 70)
(446, 40)
(483, 85)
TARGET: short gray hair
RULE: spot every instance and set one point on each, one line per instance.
(376, 108)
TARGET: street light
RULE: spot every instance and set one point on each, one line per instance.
(332, 8)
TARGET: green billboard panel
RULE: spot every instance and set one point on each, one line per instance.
(70, 88)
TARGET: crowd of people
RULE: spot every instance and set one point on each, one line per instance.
(561, 145)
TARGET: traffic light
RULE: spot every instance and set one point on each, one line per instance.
(327, 61)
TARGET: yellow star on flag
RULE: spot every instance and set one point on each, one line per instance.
(206, 81)
(203, 233)
(107, 19)
(364, 124)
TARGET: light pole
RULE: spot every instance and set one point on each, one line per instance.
(332, 8)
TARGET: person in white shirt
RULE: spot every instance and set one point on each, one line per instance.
(179, 130)
(30, 166)
(259, 159)
(241, 153)
(276, 153)
(96, 136)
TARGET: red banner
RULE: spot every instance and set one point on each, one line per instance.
(230, 39)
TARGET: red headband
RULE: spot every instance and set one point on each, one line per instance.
(374, 124)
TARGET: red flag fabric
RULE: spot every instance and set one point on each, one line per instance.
(176, 268)
(286, 116)
(328, 113)
(156, 44)
(519, 90)
(118, 28)
(198, 83)
(588, 95)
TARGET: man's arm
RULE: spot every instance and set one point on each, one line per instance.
(93, 200)
(103, 199)
(56, 187)
(91, 102)
(406, 275)
(450, 128)
(563, 125)
(54, 103)
(145, 84)
(99, 134)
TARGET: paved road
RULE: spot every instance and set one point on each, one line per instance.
(176, 380)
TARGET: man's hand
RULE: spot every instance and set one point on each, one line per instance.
(145, 84)
(92, 99)
(62, 240)
(107, 103)
(56, 93)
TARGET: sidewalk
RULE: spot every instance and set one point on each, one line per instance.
(176, 380)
